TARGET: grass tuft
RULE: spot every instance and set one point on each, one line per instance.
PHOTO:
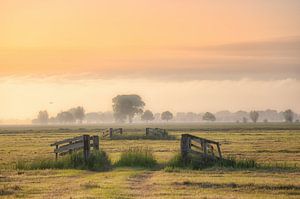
(137, 157)
(202, 163)
(97, 161)
(9, 189)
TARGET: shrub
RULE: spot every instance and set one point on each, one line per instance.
(97, 161)
(198, 162)
(137, 157)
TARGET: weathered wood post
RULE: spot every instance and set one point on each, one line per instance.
(219, 150)
(147, 131)
(121, 130)
(205, 148)
(111, 132)
(184, 146)
(56, 154)
(96, 142)
(70, 150)
(86, 147)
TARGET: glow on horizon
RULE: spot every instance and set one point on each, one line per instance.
(58, 36)
(219, 54)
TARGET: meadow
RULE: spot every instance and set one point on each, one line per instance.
(275, 146)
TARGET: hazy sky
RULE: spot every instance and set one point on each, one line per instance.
(191, 55)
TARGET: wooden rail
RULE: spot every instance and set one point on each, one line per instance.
(156, 132)
(199, 146)
(109, 132)
(69, 145)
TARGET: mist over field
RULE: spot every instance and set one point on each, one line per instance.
(24, 97)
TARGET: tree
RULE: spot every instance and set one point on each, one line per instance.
(167, 115)
(42, 117)
(65, 117)
(78, 113)
(126, 106)
(209, 117)
(254, 116)
(245, 120)
(147, 116)
(288, 115)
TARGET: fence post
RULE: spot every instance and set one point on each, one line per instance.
(96, 142)
(86, 147)
(121, 130)
(56, 154)
(70, 150)
(219, 150)
(205, 148)
(111, 132)
(147, 131)
(184, 146)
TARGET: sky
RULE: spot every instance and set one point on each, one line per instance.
(192, 55)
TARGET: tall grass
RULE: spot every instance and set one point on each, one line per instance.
(97, 161)
(137, 157)
(198, 162)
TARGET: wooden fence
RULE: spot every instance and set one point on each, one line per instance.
(156, 132)
(109, 132)
(84, 142)
(199, 146)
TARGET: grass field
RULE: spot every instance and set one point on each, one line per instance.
(276, 146)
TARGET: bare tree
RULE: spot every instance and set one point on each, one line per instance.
(254, 116)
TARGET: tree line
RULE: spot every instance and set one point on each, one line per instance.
(129, 108)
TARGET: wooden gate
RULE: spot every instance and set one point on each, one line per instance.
(199, 146)
(84, 142)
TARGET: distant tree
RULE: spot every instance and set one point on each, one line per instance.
(78, 113)
(147, 116)
(65, 117)
(126, 106)
(245, 120)
(52, 120)
(288, 115)
(266, 121)
(157, 116)
(92, 117)
(42, 117)
(254, 116)
(209, 117)
(167, 115)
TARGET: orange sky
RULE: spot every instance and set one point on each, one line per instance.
(59, 36)
(216, 54)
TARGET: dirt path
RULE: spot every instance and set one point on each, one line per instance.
(141, 186)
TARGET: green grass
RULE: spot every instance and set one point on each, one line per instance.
(97, 161)
(274, 147)
(137, 157)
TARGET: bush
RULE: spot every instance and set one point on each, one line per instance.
(198, 162)
(97, 161)
(137, 157)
